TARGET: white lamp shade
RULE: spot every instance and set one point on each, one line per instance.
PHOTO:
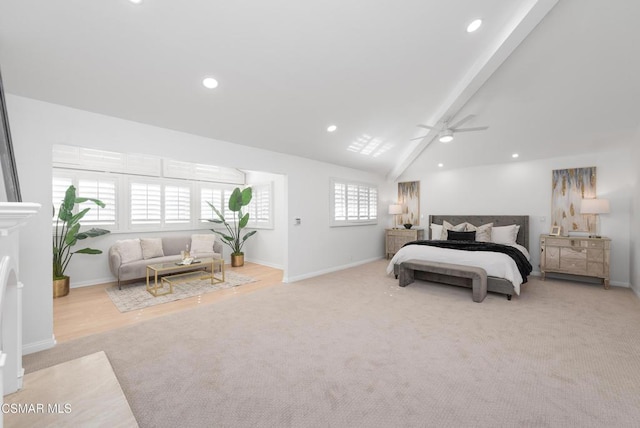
(395, 209)
(594, 206)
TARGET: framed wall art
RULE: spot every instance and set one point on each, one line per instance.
(409, 198)
(569, 187)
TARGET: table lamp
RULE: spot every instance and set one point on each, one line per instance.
(597, 207)
(395, 210)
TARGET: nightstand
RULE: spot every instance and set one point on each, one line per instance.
(575, 256)
(396, 238)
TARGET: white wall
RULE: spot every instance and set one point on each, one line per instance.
(524, 188)
(268, 246)
(309, 249)
(635, 219)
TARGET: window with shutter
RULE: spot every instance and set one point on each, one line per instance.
(177, 204)
(105, 191)
(260, 208)
(146, 203)
(353, 203)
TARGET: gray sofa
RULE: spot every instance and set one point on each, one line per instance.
(128, 263)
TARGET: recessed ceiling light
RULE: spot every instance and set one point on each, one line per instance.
(136, 1)
(474, 25)
(331, 128)
(210, 82)
(515, 155)
(440, 165)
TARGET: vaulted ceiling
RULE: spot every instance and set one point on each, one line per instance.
(548, 77)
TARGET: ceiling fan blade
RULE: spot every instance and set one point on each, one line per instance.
(461, 121)
(417, 138)
(479, 128)
(425, 126)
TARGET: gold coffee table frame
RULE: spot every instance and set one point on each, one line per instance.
(172, 271)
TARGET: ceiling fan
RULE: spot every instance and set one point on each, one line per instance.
(446, 131)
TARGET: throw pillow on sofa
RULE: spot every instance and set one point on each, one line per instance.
(129, 250)
(151, 247)
(202, 243)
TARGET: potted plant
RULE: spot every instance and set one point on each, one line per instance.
(67, 233)
(239, 198)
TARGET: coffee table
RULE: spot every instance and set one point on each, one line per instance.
(170, 272)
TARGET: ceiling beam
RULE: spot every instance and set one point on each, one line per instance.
(523, 23)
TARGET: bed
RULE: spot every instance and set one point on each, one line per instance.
(501, 277)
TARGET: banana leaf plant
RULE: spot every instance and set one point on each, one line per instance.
(239, 198)
(67, 232)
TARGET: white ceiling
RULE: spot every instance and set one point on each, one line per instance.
(287, 69)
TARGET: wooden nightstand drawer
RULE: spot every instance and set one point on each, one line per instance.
(595, 243)
(558, 242)
(573, 266)
(595, 269)
(571, 253)
(594, 254)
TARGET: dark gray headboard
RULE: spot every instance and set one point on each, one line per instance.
(497, 220)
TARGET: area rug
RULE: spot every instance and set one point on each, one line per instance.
(135, 296)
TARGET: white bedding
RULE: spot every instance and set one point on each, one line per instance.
(496, 264)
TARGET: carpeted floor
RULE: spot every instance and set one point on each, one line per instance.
(352, 349)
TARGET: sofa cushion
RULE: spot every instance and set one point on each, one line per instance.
(129, 250)
(202, 243)
(151, 247)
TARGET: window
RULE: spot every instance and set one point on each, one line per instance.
(177, 204)
(353, 203)
(105, 191)
(59, 189)
(260, 208)
(146, 204)
(219, 197)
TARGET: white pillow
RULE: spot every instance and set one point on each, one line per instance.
(483, 233)
(505, 235)
(446, 226)
(151, 247)
(436, 232)
(202, 243)
(129, 249)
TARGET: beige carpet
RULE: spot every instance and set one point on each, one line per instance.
(352, 349)
(135, 296)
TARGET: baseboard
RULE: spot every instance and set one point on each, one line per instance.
(329, 270)
(31, 348)
(263, 263)
(92, 282)
(636, 291)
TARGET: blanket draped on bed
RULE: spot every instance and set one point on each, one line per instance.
(521, 261)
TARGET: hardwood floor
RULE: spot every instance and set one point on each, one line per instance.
(88, 310)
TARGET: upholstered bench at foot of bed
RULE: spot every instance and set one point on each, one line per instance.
(478, 275)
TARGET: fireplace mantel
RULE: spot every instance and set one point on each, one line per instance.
(13, 215)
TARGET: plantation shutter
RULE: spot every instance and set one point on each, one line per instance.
(354, 203)
(177, 204)
(145, 203)
(105, 191)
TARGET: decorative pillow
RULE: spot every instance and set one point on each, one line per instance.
(452, 235)
(129, 249)
(151, 247)
(505, 235)
(483, 233)
(436, 232)
(202, 243)
(446, 226)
